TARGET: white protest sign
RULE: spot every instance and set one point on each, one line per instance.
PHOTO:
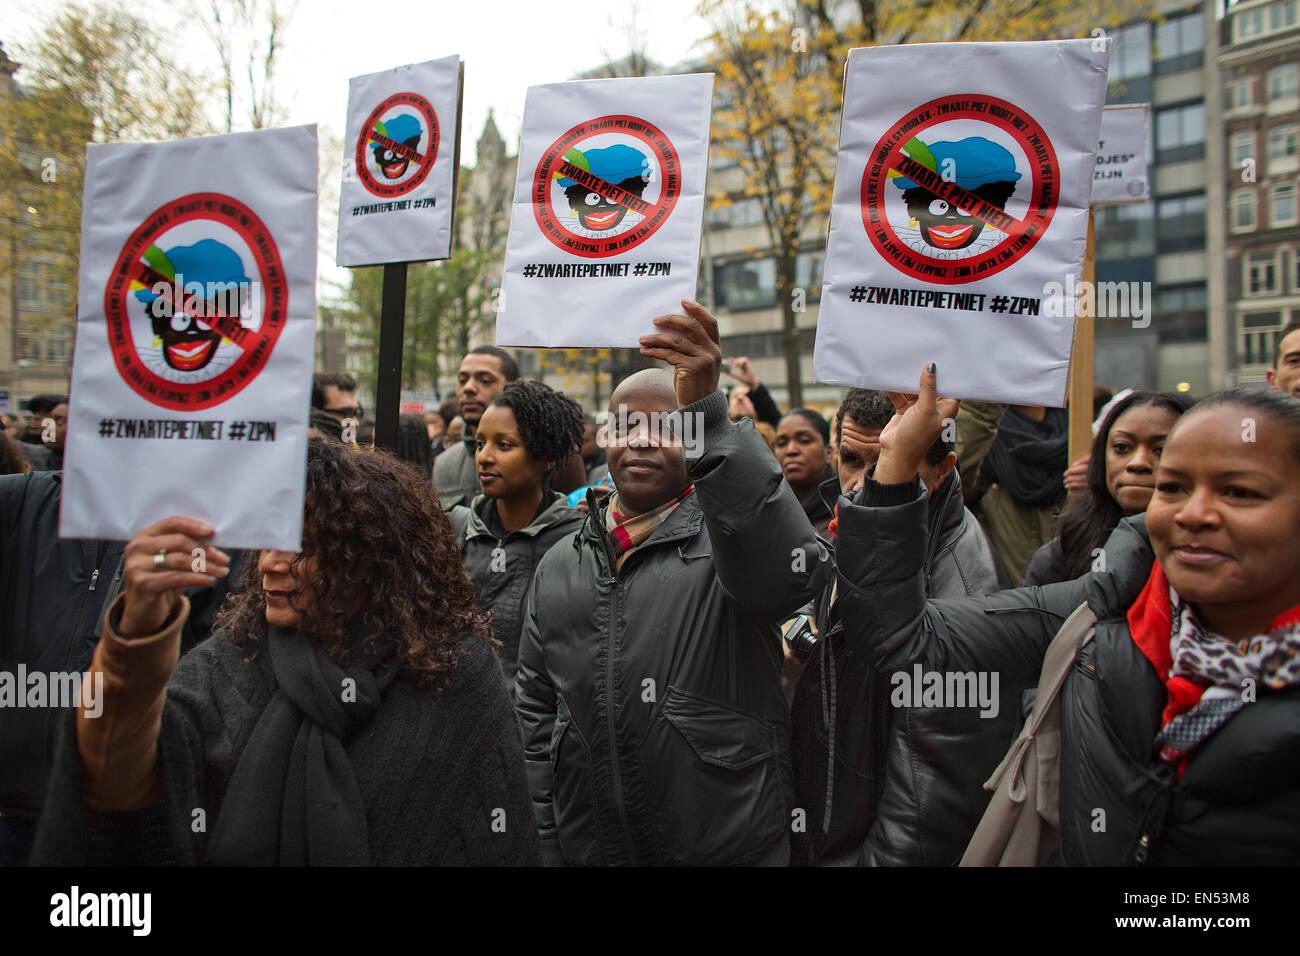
(608, 208)
(1121, 173)
(959, 195)
(399, 160)
(196, 329)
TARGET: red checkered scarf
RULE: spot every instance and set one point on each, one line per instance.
(1204, 674)
(625, 533)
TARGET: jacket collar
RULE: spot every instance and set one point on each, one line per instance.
(477, 525)
(683, 523)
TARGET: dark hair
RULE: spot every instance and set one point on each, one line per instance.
(325, 423)
(366, 434)
(12, 459)
(868, 407)
(871, 408)
(449, 409)
(1284, 408)
(340, 380)
(550, 423)
(1292, 326)
(813, 418)
(509, 367)
(389, 582)
(1088, 519)
(413, 444)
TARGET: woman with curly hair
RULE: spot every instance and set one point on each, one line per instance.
(347, 711)
(523, 435)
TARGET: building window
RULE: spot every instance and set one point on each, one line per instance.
(1180, 313)
(1283, 212)
(747, 284)
(1243, 147)
(1282, 16)
(1261, 273)
(58, 344)
(1180, 133)
(1130, 53)
(808, 273)
(1283, 82)
(1248, 24)
(1179, 42)
(1283, 141)
(1124, 233)
(1240, 93)
(1258, 330)
(1243, 210)
(1180, 223)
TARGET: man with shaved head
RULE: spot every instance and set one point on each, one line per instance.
(649, 692)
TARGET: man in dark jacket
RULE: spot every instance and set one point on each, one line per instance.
(52, 593)
(42, 456)
(906, 786)
(648, 689)
(483, 373)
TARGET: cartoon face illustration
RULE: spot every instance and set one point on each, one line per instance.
(975, 164)
(619, 165)
(187, 342)
(403, 128)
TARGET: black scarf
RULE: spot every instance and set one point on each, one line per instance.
(293, 798)
(1027, 457)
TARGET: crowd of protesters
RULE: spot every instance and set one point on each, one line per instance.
(685, 635)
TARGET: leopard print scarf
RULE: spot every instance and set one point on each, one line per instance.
(1227, 669)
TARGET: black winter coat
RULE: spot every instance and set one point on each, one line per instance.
(654, 723)
(52, 594)
(502, 578)
(1238, 804)
(907, 787)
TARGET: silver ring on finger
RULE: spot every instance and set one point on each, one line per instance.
(160, 560)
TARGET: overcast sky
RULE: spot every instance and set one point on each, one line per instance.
(507, 46)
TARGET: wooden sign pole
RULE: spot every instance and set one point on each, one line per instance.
(1081, 357)
(392, 319)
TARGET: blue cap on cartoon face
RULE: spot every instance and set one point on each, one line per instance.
(975, 162)
(402, 127)
(205, 261)
(613, 164)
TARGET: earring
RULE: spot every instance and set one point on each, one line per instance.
(912, 223)
(157, 341)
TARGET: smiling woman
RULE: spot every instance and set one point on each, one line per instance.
(348, 710)
(1192, 626)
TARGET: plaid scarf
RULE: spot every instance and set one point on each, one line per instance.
(1206, 675)
(626, 534)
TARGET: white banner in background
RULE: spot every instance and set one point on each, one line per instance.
(961, 192)
(1121, 173)
(196, 329)
(608, 208)
(399, 162)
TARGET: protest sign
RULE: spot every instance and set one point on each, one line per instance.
(961, 194)
(1121, 173)
(608, 207)
(196, 324)
(399, 163)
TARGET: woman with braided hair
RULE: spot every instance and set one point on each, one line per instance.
(524, 435)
